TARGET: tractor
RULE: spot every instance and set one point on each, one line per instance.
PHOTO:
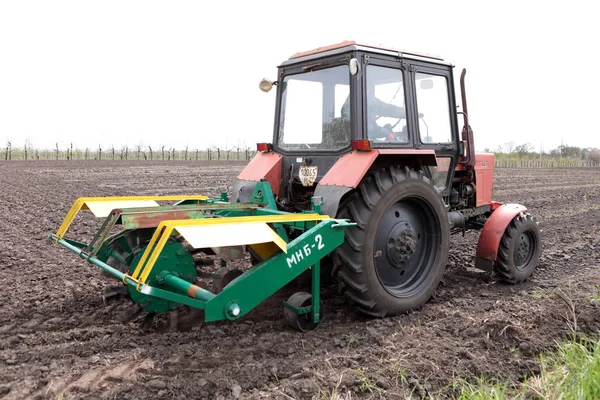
(364, 182)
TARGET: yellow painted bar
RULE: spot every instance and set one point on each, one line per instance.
(161, 244)
(155, 236)
(165, 228)
(80, 203)
(265, 250)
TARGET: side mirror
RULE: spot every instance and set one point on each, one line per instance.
(427, 84)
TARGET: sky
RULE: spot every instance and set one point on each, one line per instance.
(186, 73)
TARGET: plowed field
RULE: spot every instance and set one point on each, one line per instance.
(59, 340)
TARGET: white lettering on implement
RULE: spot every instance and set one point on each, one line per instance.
(305, 251)
(291, 261)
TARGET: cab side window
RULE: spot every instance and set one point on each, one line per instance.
(434, 108)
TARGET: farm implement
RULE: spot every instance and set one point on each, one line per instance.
(153, 253)
(365, 180)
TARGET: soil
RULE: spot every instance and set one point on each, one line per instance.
(59, 340)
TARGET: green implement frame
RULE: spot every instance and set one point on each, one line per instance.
(158, 276)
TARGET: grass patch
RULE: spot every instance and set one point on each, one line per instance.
(570, 371)
(595, 298)
(482, 389)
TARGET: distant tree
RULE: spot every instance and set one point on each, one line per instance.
(509, 147)
(27, 149)
(523, 149)
(570, 151)
(593, 155)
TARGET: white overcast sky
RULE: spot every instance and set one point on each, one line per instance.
(179, 73)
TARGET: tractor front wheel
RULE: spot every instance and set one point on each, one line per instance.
(395, 257)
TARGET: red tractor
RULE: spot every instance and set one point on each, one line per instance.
(370, 134)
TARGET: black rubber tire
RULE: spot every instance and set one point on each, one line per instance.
(519, 250)
(301, 322)
(376, 195)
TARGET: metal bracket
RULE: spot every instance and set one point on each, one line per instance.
(299, 311)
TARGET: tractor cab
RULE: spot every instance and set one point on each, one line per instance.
(348, 98)
(329, 97)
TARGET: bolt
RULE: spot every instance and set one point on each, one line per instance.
(234, 310)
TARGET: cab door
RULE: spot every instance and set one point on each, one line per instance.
(435, 119)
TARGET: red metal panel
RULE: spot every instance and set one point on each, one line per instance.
(349, 169)
(264, 165)
(484, 178)
(489, 239)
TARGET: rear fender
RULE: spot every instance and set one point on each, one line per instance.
(491, 234)
(263, 166)
(350, 169)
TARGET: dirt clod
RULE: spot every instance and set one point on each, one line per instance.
(156, 384)
(236, 391)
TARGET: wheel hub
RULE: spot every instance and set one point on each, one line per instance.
(401, 243)
(522, 250)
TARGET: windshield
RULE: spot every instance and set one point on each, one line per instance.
(315, 110)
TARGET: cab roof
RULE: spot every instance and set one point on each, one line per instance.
(350, 45)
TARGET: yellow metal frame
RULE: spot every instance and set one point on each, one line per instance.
(80, 203)
(165, 229)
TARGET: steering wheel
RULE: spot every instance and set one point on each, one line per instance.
(397, 122)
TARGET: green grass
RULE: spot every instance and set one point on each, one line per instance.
(571, 371)
(482, 389)
(595, 298)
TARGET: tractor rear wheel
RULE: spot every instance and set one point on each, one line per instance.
(395, 257)
(519, 249)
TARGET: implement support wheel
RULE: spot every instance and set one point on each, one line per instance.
(301, 322)
(395, 257)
